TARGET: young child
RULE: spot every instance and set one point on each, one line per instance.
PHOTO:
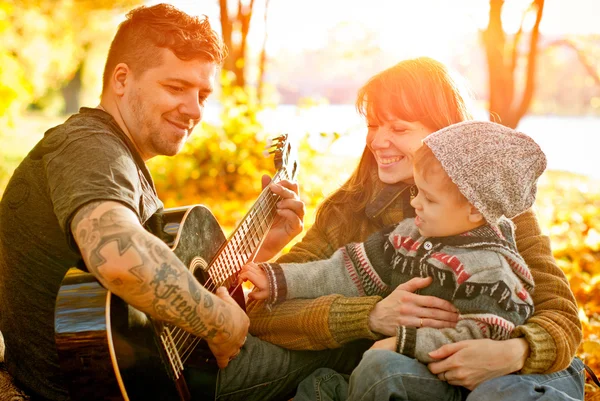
(471, 177)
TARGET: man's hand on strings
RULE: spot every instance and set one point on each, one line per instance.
(288, 222)
(229, 340)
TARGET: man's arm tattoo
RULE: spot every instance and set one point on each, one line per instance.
(149, 275)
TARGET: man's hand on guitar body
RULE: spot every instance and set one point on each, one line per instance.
(289, 222)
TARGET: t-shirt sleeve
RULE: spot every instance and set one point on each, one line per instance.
(91, 168)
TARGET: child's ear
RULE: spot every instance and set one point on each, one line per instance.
(475, 215)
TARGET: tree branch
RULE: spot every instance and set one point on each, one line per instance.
(494, 41)
(227, 29)
(517, 39)
(263, 57)
(585, 62)
(244, 16)
(531, 64)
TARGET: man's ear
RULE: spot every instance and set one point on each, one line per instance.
(119, 78)
(475, 215)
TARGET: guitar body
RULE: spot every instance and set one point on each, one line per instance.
(110, 351)
(198, 241)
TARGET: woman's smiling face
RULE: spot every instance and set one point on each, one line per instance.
(393, 142)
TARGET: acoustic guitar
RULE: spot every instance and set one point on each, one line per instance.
(109, 350)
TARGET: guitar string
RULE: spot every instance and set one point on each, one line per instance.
(271, 200)
(183, 336)
(174, 357)
(188, 351)
(235, 241)
(169, 339)
(168, 347)
(226, 252)
(233, 245)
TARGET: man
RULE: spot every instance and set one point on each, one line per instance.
(84, 193)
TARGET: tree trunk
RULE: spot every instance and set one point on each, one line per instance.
(72, 90)
(504, 106)
(234, 25)
(263, 59)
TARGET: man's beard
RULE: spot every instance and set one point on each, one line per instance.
(150, 133)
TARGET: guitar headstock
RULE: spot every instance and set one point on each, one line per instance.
(285, 160)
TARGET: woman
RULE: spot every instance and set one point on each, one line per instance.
(402, 105)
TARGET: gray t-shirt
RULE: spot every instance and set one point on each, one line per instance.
(87, 158)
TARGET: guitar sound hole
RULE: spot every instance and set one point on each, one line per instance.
(198, 262)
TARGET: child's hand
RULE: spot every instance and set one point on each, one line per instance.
(256, 275)
(387, 343)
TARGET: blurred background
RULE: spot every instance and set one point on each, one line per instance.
(295, 66)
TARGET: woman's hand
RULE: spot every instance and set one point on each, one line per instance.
(288, 222)
(471, 362)
(387, 344)
(403, 308)
(257, 276)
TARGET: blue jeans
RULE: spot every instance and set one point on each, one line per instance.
(565, 385)
(263, 371)
(385, 375)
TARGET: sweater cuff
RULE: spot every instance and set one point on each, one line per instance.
(349, 319)
(542, 349)
(277, 283)
(406, 340)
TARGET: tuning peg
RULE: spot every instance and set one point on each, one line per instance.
(272, 144)
(277, 140)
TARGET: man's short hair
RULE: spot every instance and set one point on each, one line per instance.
(146, 29)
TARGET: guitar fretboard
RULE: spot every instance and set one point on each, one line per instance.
(239, 249)
(246, 238)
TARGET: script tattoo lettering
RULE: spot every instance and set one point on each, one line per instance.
(143, 270)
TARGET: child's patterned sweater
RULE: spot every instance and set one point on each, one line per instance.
(479, 271)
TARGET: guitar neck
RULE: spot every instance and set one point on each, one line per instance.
(239, 249)
(243, 242)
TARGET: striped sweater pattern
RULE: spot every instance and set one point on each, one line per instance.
(480, 272)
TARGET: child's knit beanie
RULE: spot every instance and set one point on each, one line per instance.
(495, 167)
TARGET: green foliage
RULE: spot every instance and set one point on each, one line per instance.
(221, 165)
(43, 42)
(13, 84)
(17, 137)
